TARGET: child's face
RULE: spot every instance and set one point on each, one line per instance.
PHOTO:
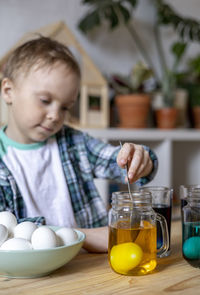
(38, 102)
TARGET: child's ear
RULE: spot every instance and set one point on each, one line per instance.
(7, 88)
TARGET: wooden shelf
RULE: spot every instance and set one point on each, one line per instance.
(152, 134)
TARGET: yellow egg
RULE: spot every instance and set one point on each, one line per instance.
(126, 256)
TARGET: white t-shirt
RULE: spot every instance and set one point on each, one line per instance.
(38, 172)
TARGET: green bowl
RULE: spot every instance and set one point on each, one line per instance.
(37, 263)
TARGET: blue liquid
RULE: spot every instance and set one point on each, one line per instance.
(183, 203)
(165, 211)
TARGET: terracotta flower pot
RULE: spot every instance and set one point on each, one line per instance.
(133, 110)
(180, 103)
(166, 118)
(196, 116)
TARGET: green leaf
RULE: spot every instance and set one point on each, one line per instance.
(125, 13)
(133, 3)
(194, 65)
(178, 49)
(111, 16)
(187, 28)
(113, 11)
(92, 2)
(90, 21)
(86, 1)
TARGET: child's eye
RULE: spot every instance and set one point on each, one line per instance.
(64, 109)
(44, 100)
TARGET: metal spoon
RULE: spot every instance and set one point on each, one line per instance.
(130, 195)
(129, 188)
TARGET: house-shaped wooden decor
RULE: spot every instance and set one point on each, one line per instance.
(94, 88)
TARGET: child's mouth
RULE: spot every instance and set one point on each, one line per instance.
(46, 128)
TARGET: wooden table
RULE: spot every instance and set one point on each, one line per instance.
(90, 274)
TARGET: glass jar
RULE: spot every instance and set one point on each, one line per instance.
(191, 229)
(132, 247)
(184, 190)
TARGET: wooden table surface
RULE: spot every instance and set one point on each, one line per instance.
(90, 274)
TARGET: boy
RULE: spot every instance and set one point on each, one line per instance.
(47, 169)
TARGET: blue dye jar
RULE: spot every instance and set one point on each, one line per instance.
(191, 229)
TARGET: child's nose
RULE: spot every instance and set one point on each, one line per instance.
(53, 115)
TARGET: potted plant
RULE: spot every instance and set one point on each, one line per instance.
(117, 12)
(132, 99)
(169, 99)
(194, 91)
(191, 81)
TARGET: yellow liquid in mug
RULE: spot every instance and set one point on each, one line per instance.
(132, 251)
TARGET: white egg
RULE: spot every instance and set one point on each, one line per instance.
(16, 244)
(9, 220)
(24, 230)
(66, 236)
(3, 234)
(44, 238)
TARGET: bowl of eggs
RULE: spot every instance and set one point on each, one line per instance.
(28, 250)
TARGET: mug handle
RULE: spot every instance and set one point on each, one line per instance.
(164, 228)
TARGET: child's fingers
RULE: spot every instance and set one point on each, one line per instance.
(136, 162)
(124, 154)
(144, 169)
(137, 159)
(144, 164)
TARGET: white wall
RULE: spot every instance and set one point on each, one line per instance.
(112, 52)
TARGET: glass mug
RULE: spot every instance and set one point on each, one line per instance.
(191, 229)
(161, 203)
(132, 246)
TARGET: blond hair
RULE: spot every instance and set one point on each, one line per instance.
(42, 51)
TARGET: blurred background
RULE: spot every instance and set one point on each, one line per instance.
(112, 52)
(146, 52)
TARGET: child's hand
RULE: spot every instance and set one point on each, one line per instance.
(138, 160)
(96, 239)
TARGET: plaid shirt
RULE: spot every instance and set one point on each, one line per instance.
(83, 158)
